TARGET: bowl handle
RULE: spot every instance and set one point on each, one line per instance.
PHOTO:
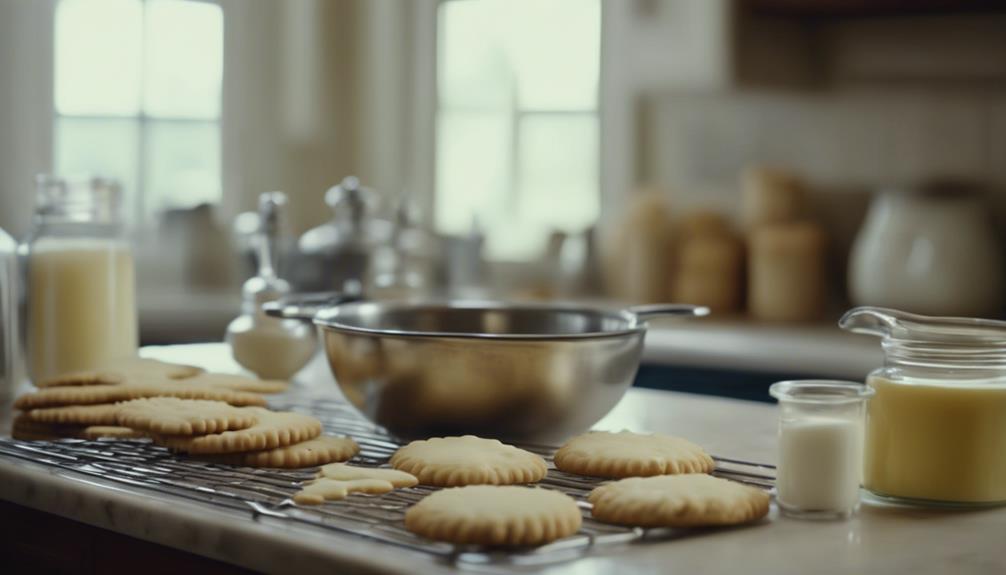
(305, 306)
(657, 309)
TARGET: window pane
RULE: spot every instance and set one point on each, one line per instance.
(532, 54)
(183, 165)
(474, 72)
(533, 64)
(98, 57)
(557, 174)
(555, 48)
(101, 147)
(184, 59)
(473, 157)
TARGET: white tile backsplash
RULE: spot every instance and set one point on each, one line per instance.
(860, 139)
(846, 144)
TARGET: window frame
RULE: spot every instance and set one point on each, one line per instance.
(142, 122)
(516, 114)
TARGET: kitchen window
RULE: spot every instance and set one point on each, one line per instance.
(517, 130)
(137, 97)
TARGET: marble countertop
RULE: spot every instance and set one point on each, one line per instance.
(880, 539)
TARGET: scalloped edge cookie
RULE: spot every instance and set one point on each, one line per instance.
(468, 460)
(111, 393)
(627, 454)
(99, 414)
(311, 453)
(691, 500)
(495, 515)
(117, 371)
(175, 416)
(272, 429)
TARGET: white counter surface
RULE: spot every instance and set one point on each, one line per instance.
(881, 539)
(737, 344)
(819, 350)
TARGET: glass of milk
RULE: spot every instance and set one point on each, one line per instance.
(81, 302)
(820, 465)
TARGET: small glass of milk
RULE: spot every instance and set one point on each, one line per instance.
(820, 466)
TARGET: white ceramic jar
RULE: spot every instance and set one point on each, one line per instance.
(931, 253)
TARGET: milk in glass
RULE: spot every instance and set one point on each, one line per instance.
(80, 280)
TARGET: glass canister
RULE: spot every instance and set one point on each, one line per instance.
(9, 335)
(334, 256)
(936, 426)
(80, 278)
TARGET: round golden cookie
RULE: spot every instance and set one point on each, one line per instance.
(468, 460)
(111, 393)
(175, 416)
(310, 453)
(627, 454)
(690, 500)
(272, 429)
(495, 515)
(100, 414)
(234, 382)
(110, 431)
(119, 370)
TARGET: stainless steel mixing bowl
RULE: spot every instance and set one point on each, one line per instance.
(507, 370)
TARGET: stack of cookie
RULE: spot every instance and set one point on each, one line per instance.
(249, 436)
(219, 417)
(83, 404)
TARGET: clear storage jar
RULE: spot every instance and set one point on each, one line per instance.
(81, 303)
(9, 345)
(936, 426)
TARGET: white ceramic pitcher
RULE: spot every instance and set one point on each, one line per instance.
(929, 252)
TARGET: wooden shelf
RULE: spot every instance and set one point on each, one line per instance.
(834, 9)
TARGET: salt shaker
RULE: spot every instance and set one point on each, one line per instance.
(271, 347)
(820, 466)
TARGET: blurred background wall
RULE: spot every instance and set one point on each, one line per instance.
(526, 121)
(311, 92)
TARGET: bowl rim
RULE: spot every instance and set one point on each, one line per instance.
(328, 319)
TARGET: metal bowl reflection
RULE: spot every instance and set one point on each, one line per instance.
(517, 371)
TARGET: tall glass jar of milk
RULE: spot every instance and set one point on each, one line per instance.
(936, 426)
(81, 295)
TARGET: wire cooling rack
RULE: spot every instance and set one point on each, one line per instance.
(268, 492)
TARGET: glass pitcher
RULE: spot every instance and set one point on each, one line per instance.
(80, 278)
(936, 427)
